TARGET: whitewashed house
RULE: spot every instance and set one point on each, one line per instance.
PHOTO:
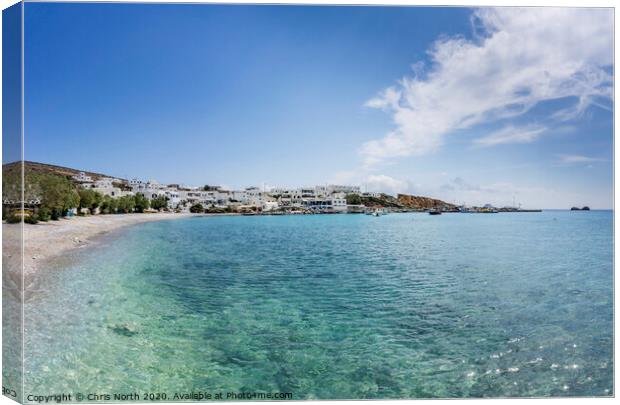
(82, 177)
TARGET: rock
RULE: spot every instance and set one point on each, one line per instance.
(124, 329)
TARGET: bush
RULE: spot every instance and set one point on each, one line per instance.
(31, 219)
(197, 208)
(353, 199)
(13, 219)
(44, 215)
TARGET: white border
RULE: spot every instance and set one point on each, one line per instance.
(474, 3)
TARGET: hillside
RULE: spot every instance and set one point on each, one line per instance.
(36, 167)
(408, 202)
(417, 202)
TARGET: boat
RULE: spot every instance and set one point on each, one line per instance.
(377, 212)
(434, 212)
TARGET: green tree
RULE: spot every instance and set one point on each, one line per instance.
(159, 202)
(90, 199)
(126, 204)
(353, 199)
(108, 205)
(44, 214)
(58, 195)
(197, 208)
(140, 203)
(97, 201)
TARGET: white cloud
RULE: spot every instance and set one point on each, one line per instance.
(571, 159)
(372, 182)
(511, 134)
(518, 58)
(386, 184)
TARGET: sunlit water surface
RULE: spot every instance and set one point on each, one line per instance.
(334, 306)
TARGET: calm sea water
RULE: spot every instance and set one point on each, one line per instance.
(334, 306)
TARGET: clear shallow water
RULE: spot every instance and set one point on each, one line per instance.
(335, 306)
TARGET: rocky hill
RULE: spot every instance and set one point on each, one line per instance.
(417, 202)
(405, 202)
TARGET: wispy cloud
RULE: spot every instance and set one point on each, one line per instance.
(572, 159)
(518, 58)
(511, 134)
(459, 184)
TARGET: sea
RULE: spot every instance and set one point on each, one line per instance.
(332, 307)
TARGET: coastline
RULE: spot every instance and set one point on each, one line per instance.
(47, 241)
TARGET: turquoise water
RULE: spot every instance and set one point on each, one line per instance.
(334, 306)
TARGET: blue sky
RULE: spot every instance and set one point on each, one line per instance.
(467, 105)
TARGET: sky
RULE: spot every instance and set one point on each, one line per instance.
(474, 106)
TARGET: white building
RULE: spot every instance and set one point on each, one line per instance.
(326, 205)
(81, 177)
(333, 188)
(197, 197)
(239, 196)
(173, 196)
(106, 186)
(149, 189)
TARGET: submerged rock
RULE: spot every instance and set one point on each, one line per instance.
(124, 329)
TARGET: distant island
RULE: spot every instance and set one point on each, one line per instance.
(586, 208)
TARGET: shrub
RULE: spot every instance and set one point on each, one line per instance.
(353, 199)
(13, 219)
(31, 219)
(44, 215)
(197, 208)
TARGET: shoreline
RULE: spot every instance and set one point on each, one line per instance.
(47, 241)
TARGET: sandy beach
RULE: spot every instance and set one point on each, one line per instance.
(49, 240)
